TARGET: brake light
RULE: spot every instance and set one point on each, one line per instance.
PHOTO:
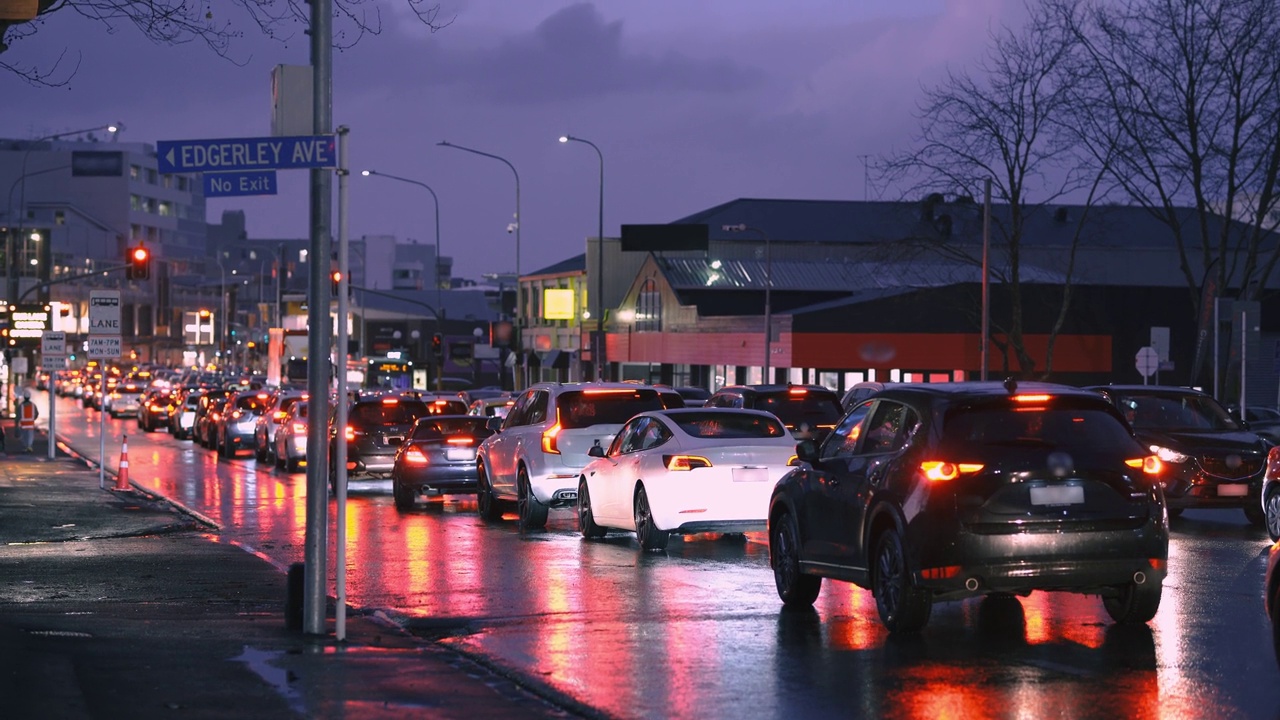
(299, 427)
(237, 415)
(549, 437)
(414, 456)
(262, 396)
(390, 401)
(797, 391)
(1150, 464)
(461, 441)
(939, 470)
(608, 392)
(685, 462)
(1031, 398)
(351, 433)
(279, 415)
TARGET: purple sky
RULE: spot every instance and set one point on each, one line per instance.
(692, 104)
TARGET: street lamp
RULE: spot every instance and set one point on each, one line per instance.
(519, 305)
(436, 201)
(768, 286)
(598, 351)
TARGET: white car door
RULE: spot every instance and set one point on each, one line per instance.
(617, 477)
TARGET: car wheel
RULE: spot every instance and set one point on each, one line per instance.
(795, 589)
(291, 465)
(1134, 603)
(533, 514)
(404, 496)
(486, 503)
(650, 537)
(260, 453)
(903, 607)
(1271, 509)
(586, 520)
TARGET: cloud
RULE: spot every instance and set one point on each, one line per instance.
(575, 54)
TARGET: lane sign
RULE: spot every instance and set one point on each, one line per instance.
(105, 346)
(258, 182)
(53, 363)
(53, 343)
(104, 312)
(238, 154)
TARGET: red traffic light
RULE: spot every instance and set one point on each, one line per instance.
(139, 263)
(140, 254)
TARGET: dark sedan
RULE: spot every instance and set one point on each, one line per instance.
(1211, 460)
(375, 430)
(948, 491)
(438, 458)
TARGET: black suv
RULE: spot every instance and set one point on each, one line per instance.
(375, 429)
(1211, 460)
(808, 411)
(947, 491)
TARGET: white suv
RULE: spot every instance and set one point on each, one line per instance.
(535, 456)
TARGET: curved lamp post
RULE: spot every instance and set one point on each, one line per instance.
(598, 350)
(436, 201)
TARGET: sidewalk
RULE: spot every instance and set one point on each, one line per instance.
(114, 604)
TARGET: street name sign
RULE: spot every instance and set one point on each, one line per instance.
(243, 154)
(54, 343)
(105, 346)
(104, 313)
(236, 184)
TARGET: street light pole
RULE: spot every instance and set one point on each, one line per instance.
(439, 293)
(598, 352)
(768, 287)
(519, 305)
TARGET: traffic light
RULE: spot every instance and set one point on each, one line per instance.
(139, 263)
(437, 346)
(337, 281)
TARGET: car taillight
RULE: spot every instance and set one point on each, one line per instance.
(938, 470)
(1151, 464)
(461, 441)
(414, 456)
(237, 415)
(299, 428)
(685, 462)
(549, 437)
(351, 433)
(279, 415)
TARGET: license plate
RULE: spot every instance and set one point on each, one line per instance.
(1057, 495)
(459, 454)
(1233, 490)
(750, 474)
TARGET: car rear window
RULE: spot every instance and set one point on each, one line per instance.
(432, 429)
(252, 403)
(381, 412)
(798, 408)
(1064, 426)
(446, 407)
(713, 424)
(584, 408)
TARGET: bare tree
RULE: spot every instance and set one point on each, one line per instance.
(1005, 122)
(1185, 96)
(177, 22)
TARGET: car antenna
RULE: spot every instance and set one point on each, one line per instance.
(1011, 385)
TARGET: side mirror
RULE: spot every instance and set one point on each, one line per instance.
(596, 451)
(494, 424)
(807, 451)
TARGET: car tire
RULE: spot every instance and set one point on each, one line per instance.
(903, 607)
(486, 503)
(404, 496)
(533, 514)
(1271, 509)
(260, 453)
(647, 532)
(1134, 604)
(795, 589)
(586, 519)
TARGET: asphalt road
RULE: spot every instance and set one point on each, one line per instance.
(698, 630)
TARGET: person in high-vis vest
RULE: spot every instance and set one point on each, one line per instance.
(27, 414)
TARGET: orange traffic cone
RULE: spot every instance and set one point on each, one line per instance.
(122, 478)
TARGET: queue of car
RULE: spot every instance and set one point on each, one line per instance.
(921, 493)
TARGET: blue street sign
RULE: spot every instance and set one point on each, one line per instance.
(235, 154)
(233, 184)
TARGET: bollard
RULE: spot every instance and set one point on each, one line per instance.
(295, 590)
(122, 479)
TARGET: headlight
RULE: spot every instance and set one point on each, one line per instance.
(1170, 456)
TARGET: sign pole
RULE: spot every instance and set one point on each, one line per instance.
(53, 410)
(102, 432)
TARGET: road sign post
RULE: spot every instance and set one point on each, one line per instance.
(53, 357)
(1148, 362)
(104, 337)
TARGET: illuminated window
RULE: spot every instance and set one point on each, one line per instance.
(649, 308)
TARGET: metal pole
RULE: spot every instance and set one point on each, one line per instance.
(600, 344)
(340, 422)
(53, 413)
(768, 304)
(986, 278)
(280, 270)
(102, 430)
(1244, 338)
(1216, 330)
(320, 335)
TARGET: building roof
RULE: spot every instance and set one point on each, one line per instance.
(700, 274)
(575, 264)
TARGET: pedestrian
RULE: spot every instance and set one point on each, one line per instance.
(27, 414)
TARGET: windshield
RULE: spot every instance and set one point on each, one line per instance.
(1194, 413)
(722, 424)
(797, 409)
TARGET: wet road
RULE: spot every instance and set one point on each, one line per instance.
(699, 631)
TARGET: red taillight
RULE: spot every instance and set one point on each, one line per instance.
(1030, 398)
(940, 573)
(939, 470)
(549, 437)
(351, 433)
(797, 391)
(279, 415)
(299, 428)
(414, 456)
(237, 415)
(461, 441)
(685, 462)
(390, 401)
(1150, 464)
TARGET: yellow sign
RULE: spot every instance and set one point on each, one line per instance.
(557, 304)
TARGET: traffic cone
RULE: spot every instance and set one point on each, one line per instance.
(122, 478)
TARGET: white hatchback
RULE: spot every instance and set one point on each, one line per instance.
(685, 471)
(535, 457)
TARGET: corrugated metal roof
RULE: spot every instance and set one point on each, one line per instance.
(577, 263)
(701, 273)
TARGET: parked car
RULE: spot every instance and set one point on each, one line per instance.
(291, 438)
(808, 411)
(268, 423)
(438, 457)
(689, 470)
(535, 457)
(374, 432)
(946, 491)
(235, 425)
(1212, 460)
